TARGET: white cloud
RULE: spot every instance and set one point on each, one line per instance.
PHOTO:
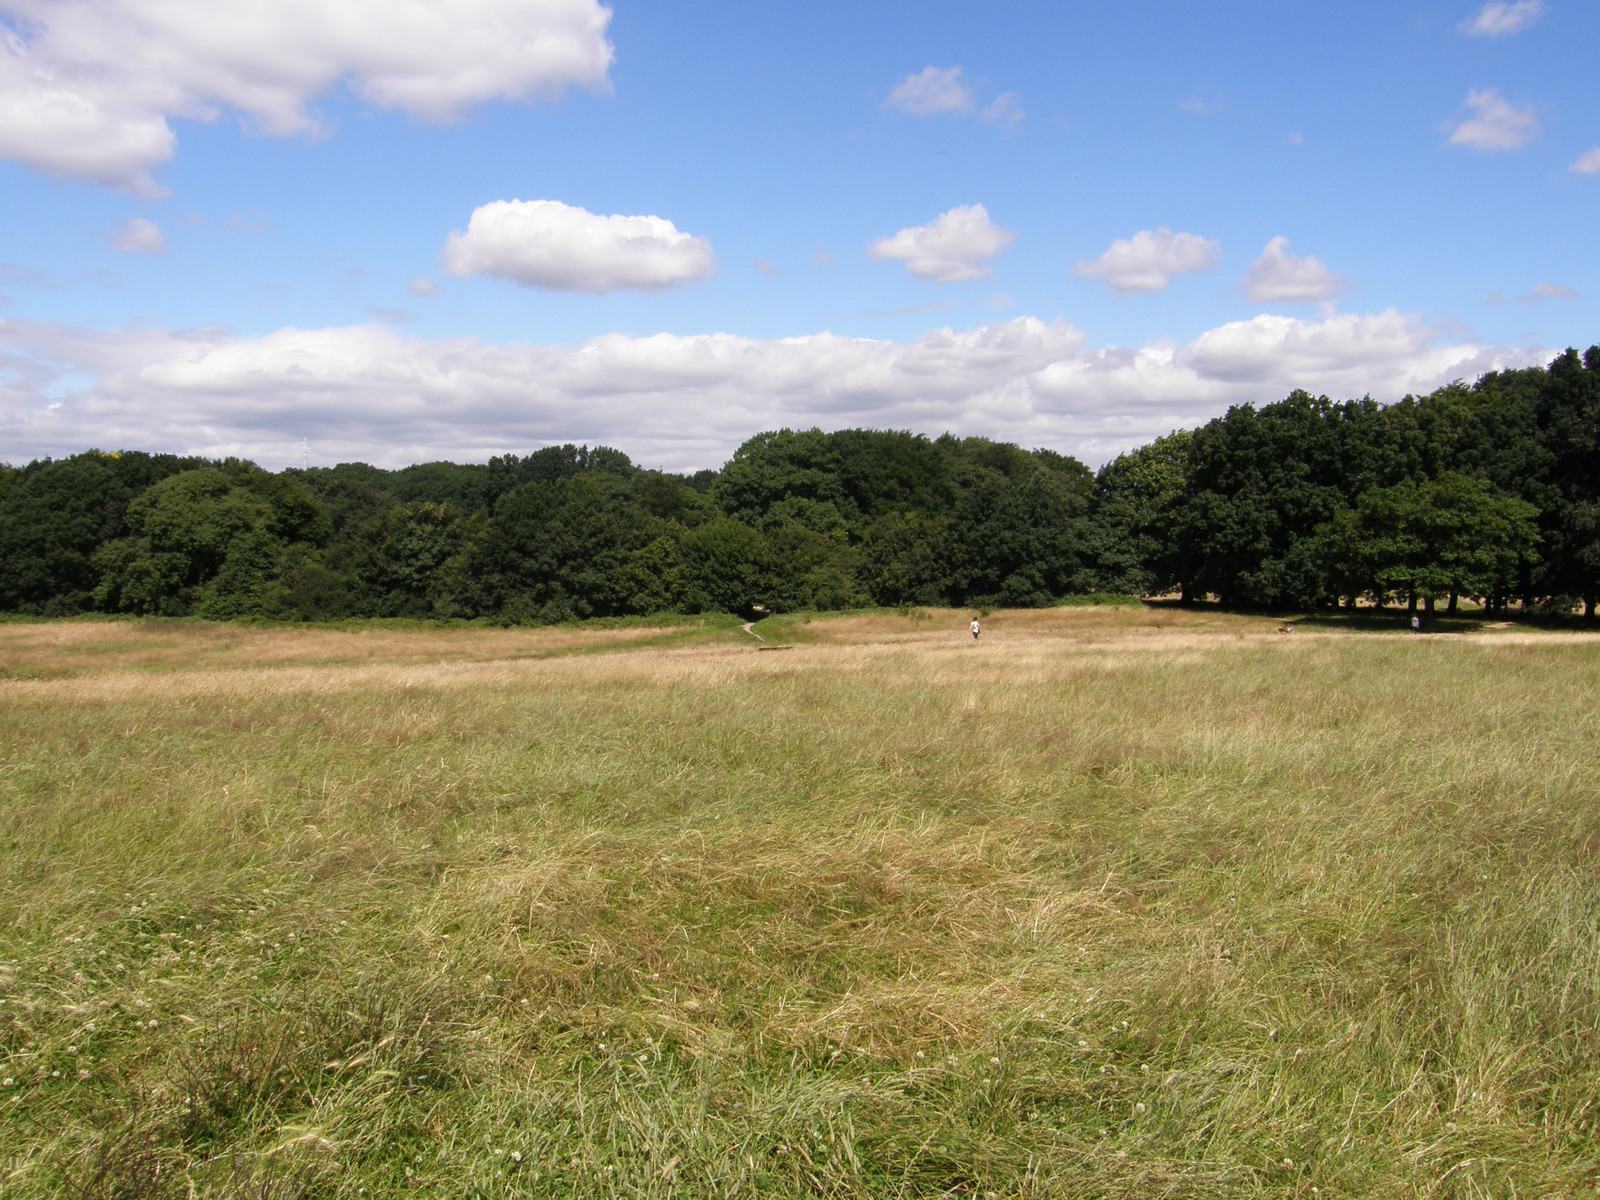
(954, 246)
(1588, 163)
(1280, 276)
(1541, 292)
(1148, 260)
(1499, 18)
(944, 91)
(1495, 123)
(369, 393)
(1199, 106)
(932, 91)
(87, 87)
(547, 244)
(139, 236)
(1005, 109)
(421, 285)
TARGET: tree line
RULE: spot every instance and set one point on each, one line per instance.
(1489, 490)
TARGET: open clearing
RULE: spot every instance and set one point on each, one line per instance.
(1111, 903)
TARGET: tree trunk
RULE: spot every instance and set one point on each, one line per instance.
(1451, 607)
(1588, 608)
(1427, 606)
(1411, 601)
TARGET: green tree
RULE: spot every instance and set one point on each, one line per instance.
(56, 515)
(211, 538)
(1259, 484)
(905, 559)
(728, 567)
(1017, 539)
(1567, 411)
(564, 547)
(1137, 499)
(1422, 541)
(397, 559)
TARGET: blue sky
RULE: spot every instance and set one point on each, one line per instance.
(389, 231)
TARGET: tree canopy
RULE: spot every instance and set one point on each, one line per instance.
(1490, 489)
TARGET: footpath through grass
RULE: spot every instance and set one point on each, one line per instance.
(1113, 903)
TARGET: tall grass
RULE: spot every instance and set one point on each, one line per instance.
(1112, 904)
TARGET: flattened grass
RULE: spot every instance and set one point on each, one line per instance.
(1095, 907)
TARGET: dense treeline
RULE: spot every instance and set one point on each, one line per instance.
(1490, 490)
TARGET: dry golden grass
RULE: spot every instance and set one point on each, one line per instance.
(1111, 903)
(96, 646)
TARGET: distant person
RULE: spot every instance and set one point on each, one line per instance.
(976, 629)
(1416, 622)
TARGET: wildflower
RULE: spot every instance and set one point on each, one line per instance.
(995, 1061)
(920, 1054)
(516, 1156)
(1139, 1107)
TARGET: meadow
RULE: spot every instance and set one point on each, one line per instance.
(1112, 903)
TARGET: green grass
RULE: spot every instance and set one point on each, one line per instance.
(1096, 908)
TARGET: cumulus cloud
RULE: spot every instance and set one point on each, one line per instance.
(1280, 276)
(370, 393)
(1499, 18)
(1537, 294)
(139, 236)
(88, 87)
(1588, 163)
(1148, 260)
(548, 244)
(1005, 109)
(944, 91)
(954, 246)
(1494, 124)
(932, 91)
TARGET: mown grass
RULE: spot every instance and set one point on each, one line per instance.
(1115, 903)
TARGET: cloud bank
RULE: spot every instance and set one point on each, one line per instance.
(548, 244)
(369, 393)
(88, 87)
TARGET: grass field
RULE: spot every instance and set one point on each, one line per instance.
(1112, 903)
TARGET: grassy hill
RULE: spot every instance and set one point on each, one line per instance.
(1113, 903)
